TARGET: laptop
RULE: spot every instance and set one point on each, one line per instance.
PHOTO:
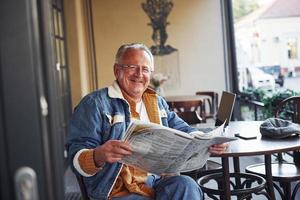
(224, 112)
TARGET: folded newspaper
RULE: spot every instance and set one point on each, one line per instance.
(158, 149)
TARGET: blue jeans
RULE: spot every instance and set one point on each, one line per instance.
(170, 188)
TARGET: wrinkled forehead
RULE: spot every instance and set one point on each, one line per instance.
(137, 56)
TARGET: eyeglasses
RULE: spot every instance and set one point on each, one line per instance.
(134, 68)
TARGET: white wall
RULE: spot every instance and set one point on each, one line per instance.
(195, 30)
(263, 41)
(283, 29)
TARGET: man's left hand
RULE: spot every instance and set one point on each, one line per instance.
(218, 148)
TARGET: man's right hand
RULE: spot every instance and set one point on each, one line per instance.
(111, 151)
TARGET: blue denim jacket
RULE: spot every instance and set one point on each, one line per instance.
(101, 116)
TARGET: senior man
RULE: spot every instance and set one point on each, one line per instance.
(101, 118)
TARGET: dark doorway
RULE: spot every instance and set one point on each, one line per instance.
(34, 100)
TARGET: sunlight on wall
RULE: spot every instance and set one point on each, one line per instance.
(195, 30)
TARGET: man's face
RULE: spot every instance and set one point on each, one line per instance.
(131, 72)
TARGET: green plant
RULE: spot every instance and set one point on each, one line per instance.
(271, 102)
(256, 94)
(269, 99)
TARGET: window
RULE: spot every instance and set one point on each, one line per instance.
(63, 96)
(266, 34)
(263, 44)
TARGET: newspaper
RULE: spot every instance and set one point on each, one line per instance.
(158, 149)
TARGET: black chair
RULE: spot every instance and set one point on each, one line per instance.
(191, 117)
(84, 194)
(283, 172)
(189, 112)
(209, 104)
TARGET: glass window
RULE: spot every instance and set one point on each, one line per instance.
(266, 35)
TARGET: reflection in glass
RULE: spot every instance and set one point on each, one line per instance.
(61, 34)
(55, 22)
(62, 51)
(292, 48)
(57, 48)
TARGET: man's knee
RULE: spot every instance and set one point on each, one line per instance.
(178, 187)
(185, 181)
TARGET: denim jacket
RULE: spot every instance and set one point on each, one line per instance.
(101, 116)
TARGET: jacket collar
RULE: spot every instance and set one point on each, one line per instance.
(114, 91)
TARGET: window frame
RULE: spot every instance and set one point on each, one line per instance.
(231, 74)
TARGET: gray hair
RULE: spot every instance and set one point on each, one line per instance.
(126, 47)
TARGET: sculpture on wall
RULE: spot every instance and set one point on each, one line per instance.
(158, 11)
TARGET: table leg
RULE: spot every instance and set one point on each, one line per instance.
(269, 179)
(236, 166)
(226, 180)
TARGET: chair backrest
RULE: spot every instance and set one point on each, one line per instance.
(210, 103)
(181, 106)
(191, 117)
(189, 111)
(289, 109)
(84, 194)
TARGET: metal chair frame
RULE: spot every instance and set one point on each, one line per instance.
(293, 113)
(83, 190)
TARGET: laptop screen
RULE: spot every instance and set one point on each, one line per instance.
(225, 108)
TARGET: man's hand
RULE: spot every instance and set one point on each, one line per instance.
(218, 148)
(111, 151)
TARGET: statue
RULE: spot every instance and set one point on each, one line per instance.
(158, 11)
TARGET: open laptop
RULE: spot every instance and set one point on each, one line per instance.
(224, 112)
